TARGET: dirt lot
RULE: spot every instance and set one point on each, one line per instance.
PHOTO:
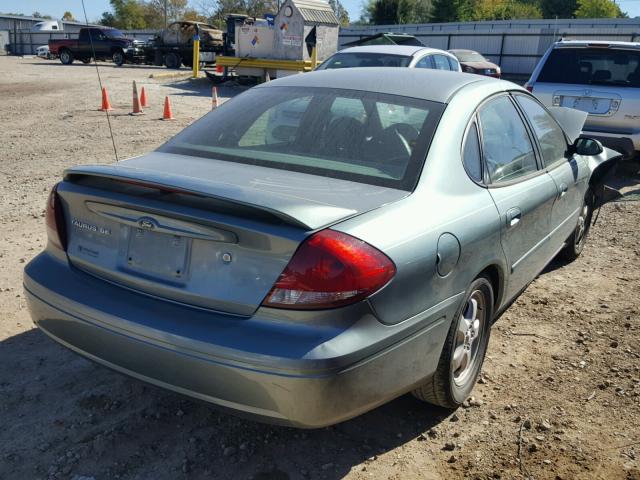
(559, 398)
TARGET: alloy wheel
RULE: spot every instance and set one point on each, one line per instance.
(467, 341)
(581, 228)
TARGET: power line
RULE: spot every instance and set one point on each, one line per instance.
(95, 61)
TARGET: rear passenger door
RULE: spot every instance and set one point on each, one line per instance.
(522, 191)
(569, 173)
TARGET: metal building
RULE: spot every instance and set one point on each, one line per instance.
(17, 37)
(515, 45)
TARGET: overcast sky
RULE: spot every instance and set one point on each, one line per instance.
(56, 8)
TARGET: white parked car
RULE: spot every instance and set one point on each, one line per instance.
(601, 78)
(392, 56)
(43, 52)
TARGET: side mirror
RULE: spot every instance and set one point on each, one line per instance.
(587, 146)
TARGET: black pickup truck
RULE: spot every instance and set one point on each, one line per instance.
(108, 44)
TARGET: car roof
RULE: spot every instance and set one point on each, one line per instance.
(466, 50)
(405, 50)
(584, 43)
(421, 83)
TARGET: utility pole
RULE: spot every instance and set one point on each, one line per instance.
(165, 13)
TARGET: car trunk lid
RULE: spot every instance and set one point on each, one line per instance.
(203, 232)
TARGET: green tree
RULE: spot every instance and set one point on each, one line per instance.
(193, 15)
(558, 8)
(37, 14)
(216, 11)
(597, 9)
(341, 13)
(127, 15)
(68, 16)
(452, 10)
(505, 10)
(393, 12)
(108, 19)
(383, 12)
(155, 10)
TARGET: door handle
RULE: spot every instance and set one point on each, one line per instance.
(514, 215)
(563, 190)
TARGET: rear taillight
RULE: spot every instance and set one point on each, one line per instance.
(330, 269)
(54, 218)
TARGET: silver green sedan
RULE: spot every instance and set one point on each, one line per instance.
(319, 244)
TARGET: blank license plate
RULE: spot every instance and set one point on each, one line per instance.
(157, 254)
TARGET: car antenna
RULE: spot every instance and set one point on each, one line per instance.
(95, 62)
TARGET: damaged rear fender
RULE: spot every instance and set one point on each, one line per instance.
(603, 168)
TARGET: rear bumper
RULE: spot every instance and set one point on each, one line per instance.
(277, 371)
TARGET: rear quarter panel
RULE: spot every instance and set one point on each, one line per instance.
(446, 201)
(56, 45)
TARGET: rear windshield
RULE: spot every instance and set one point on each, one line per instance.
(351, 60)
(469, 57)
(597, 66)
(113, 33)
(348, 134)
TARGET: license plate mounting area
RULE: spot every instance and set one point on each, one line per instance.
(158, 255)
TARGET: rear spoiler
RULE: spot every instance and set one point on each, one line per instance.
(307, 216)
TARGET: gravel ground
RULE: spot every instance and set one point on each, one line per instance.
(559, 397)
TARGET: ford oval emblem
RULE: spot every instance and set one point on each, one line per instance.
(146, 223)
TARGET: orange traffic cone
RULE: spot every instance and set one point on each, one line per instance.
(143, 98)
(214, 98)
(106, 104)
(137, 110)
(167, 114)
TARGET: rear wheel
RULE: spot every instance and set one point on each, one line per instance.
(118, 58)
(578, 238)
(464, 349)
(66, 57)
(172, 60)
(85, 60)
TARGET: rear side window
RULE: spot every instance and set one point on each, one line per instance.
(597, 66)
(453, 63)
(506, 145)
(425, 62)
(471, 153)
(441, 62)
(550, 137)
(348, 134)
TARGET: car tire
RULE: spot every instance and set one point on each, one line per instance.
(118, 58)
(85, 60)
(172, 60)
(464, 349)
(66, 57)
(578, 238)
